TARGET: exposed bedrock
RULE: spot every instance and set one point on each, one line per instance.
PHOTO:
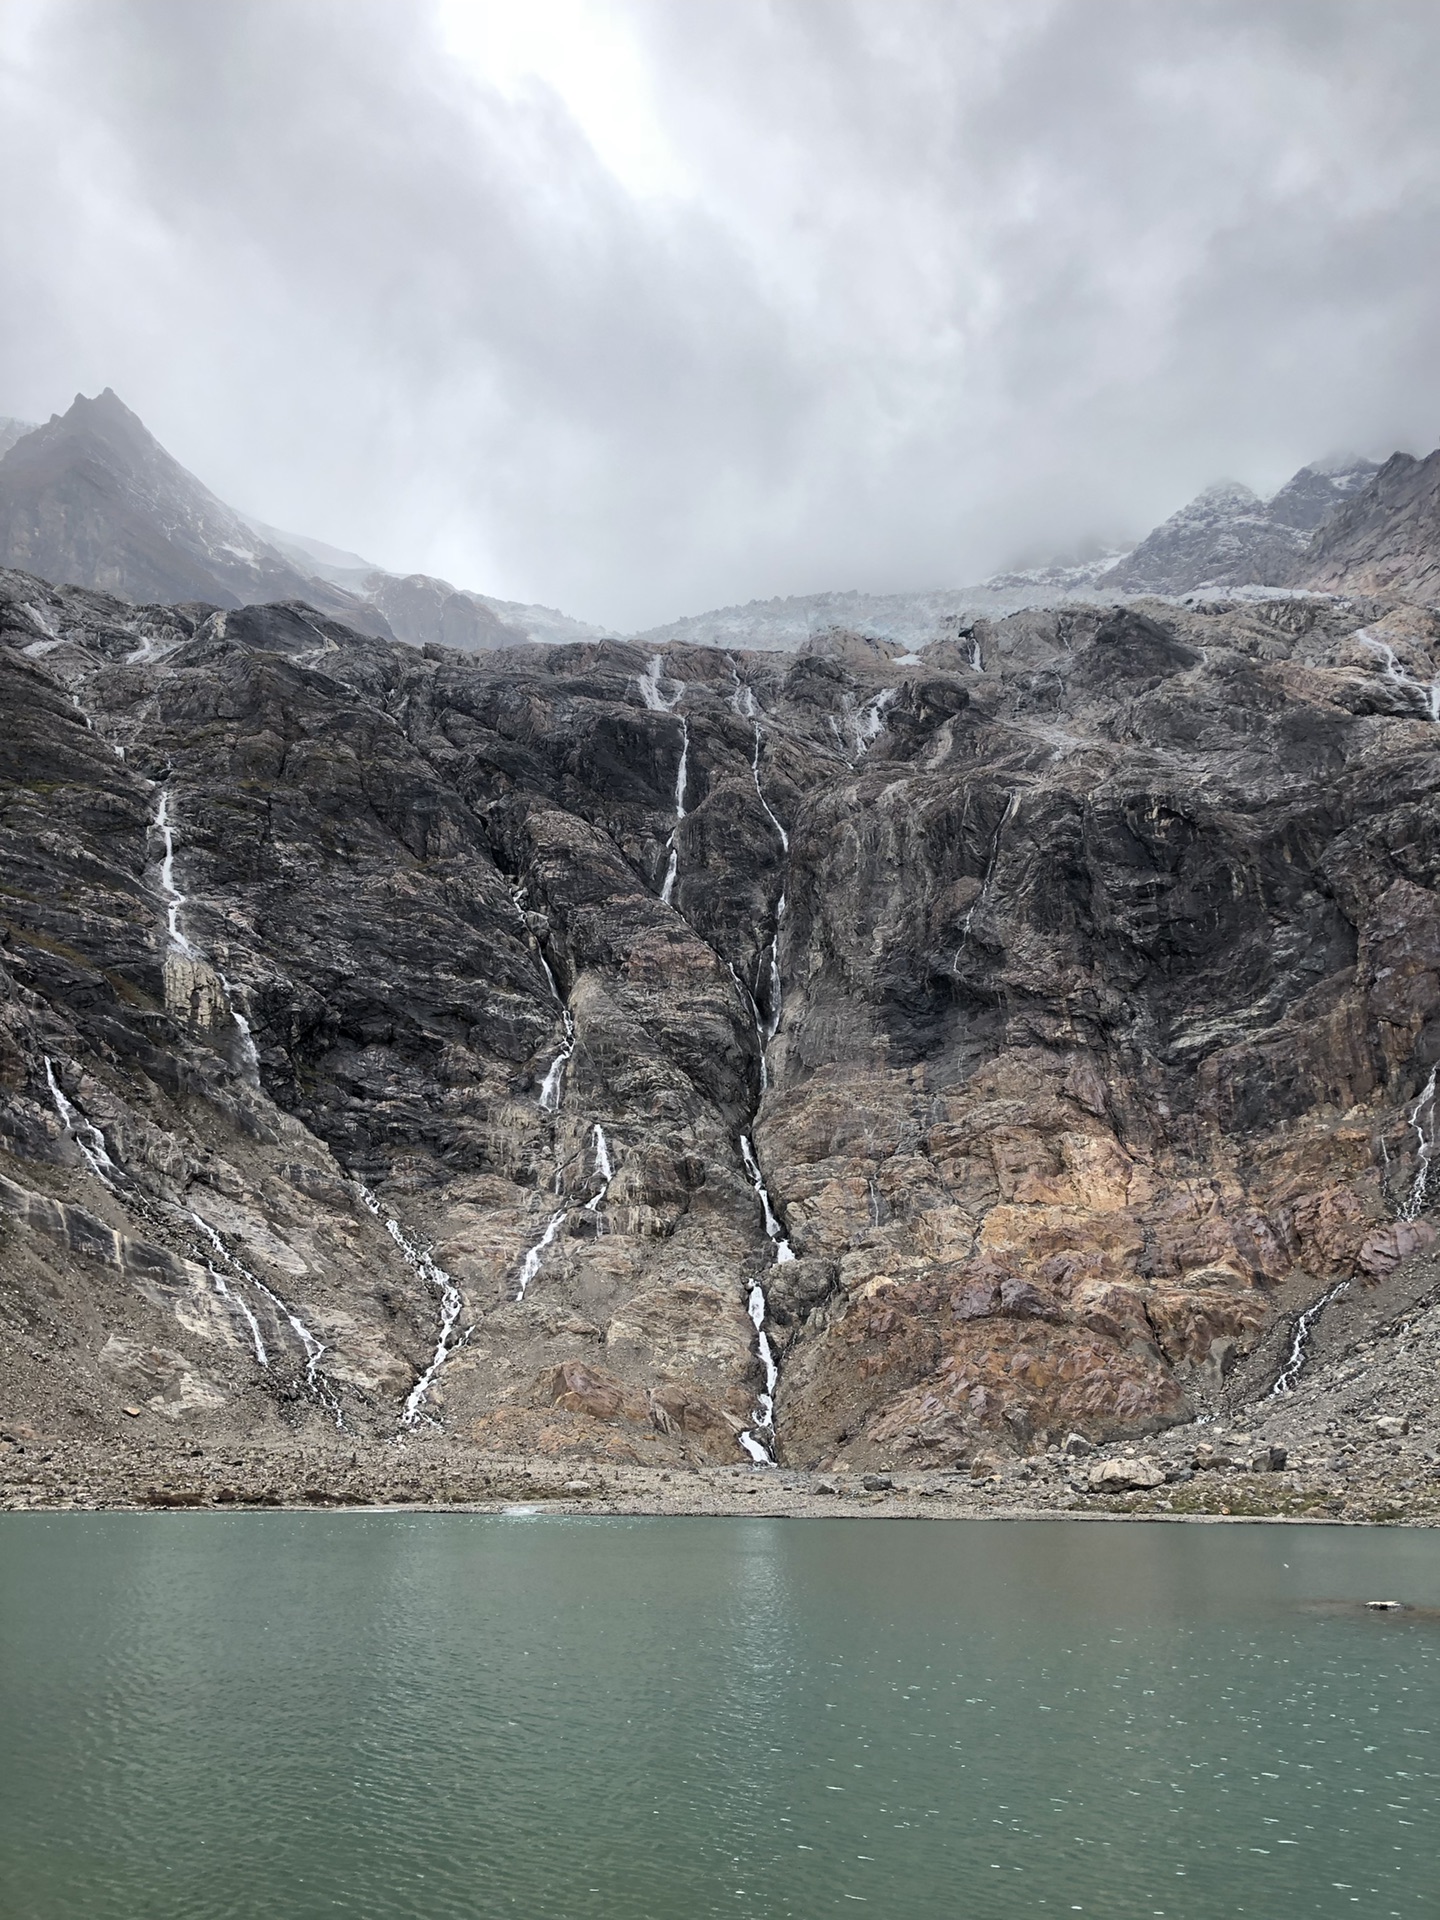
(1074, 993)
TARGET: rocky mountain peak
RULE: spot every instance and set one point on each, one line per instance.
(93, 498)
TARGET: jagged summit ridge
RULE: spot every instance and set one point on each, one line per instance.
(1228, 536)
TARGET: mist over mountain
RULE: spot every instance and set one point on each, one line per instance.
(92, 499)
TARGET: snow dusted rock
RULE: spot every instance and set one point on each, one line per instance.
(1228, 536)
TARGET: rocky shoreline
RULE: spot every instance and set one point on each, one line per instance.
(1204, 1481)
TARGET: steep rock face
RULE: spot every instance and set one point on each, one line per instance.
(1316, 494)
(13, 430)
(1386, 539)
(1230, 537)
(1003, 1035)
(94, 500)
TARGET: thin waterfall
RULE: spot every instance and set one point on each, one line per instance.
(651, 691)
(531, 1265)
(1428, 693)
(742, 697)
(227, 1293)
(760, 791)
(1424, 1131)
(249, 1052)
(1300, 1340)
(422, 1262)
(86, 1135)
(604, 1172)
(870, 720)
(681, 776)
(174, 899)
(175, 902)
(312, 1345)
(552, 1086)
(774, 1232)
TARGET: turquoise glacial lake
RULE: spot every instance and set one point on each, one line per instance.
(394, 1715)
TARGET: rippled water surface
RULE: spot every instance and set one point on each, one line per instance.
(288, 1715)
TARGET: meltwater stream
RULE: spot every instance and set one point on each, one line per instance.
(759, 1439)
(174, 905)
(313, 1347)
(667, 890)
(1426, 692)
(466, 1717)
(421, 1261)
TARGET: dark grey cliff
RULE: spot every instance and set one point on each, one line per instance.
(1072, 995)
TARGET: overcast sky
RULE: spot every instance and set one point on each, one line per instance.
(637, 307)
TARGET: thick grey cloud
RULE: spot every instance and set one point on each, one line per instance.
(642, 307)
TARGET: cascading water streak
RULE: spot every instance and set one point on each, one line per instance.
(174, 899)
(452, 1303)
(651, 691)
(552, 1086)
(668, 888)
(1424, 1148)
(86, 1135)
(1300, 1341)
(604, 1172)
(742, 698)
(760, 791)
(870, 720)
(531, 1264)
(1427, 692)
(174, 903)
(774, 1232)
(249, 1052)
(227, 1293)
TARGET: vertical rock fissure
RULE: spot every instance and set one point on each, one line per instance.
(1012, 806)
